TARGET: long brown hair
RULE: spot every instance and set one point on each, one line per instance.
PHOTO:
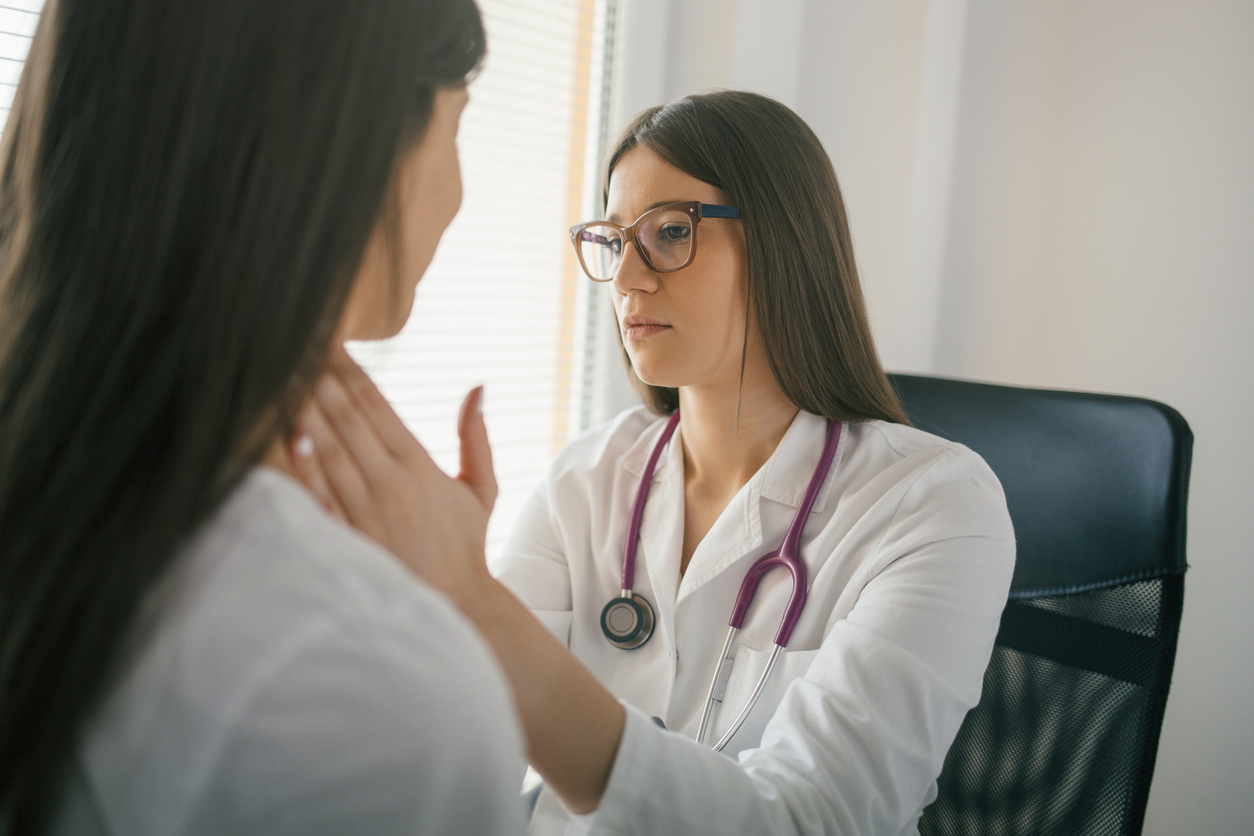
(186, 191)
(803, 285)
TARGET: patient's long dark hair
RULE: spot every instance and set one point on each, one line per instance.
(186, 190)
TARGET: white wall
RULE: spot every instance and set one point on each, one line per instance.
(1047, 193)
(1100, 238)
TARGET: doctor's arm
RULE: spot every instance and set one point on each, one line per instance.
(368, 465)
(855, 745)
(532, 565)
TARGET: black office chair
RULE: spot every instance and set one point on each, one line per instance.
(1066, 732)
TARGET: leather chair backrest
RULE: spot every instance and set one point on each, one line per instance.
(1096, 484)
(1066, 733)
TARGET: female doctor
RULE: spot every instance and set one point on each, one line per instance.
(769, 430)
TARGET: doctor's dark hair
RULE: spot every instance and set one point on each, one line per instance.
(186, 192)
(803, 285)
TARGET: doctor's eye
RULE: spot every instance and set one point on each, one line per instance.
(674, 234)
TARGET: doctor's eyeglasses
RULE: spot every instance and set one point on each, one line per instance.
(665, 237)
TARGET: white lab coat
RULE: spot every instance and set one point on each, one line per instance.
(909, 551)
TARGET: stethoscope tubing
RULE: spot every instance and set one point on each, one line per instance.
(637, 507)
(788, 555)
(752, 701)
(709, 694)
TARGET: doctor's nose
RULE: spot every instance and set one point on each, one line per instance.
(633, 273)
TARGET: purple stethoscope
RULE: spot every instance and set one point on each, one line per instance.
(628, 621)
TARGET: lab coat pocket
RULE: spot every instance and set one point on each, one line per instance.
(747, 669)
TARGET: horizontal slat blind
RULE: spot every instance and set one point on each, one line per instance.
(17, 25)
(500, 302)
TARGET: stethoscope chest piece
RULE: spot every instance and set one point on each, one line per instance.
(627, 621)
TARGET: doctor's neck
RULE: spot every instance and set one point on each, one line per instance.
(729, 431)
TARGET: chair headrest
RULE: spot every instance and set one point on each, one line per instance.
(1097, 485)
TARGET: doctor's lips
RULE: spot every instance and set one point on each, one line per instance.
(636, 327)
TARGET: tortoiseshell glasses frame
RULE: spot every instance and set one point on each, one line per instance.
(665, 237)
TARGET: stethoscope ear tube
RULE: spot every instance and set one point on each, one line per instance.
(796, 601)
(709, 694)
(751, 702)
(788, 555)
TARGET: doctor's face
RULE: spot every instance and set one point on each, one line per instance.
(685, 328)
(428, 193)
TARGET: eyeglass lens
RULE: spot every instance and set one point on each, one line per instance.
(665, 237)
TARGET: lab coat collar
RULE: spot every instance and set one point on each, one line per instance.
(738, 530)
(637, 454)
(784, 477)
(787, 472)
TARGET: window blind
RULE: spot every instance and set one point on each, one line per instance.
(17, 26)
(503, 303)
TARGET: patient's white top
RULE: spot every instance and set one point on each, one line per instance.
(291, 677)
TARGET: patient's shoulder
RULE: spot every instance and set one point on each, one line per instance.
(286, 651)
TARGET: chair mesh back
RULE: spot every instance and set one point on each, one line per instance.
(1066, 732)
(1064, 738)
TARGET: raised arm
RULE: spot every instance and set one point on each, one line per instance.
(387, 486)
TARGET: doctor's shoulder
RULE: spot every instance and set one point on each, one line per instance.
(933, 480)
(599, 452)
(575, 499)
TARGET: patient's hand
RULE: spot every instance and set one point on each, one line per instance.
(365, 464)
(354, 453)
